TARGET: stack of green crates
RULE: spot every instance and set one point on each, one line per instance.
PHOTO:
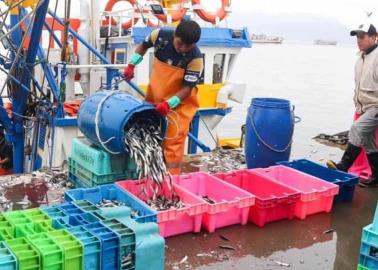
(28, 241)
(91, 166)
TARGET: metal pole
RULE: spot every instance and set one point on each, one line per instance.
(21, 94)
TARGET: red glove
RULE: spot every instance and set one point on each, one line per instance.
(162, 108)
(128, 72)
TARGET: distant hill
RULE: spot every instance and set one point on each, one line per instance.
(298, 27)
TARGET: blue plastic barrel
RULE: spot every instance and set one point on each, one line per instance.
(269, 132)
(103, 116)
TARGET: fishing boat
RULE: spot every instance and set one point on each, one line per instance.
(325, 42)
(99, 45)
(266, 39)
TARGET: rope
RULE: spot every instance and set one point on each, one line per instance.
(176, 123)
(265, 143)
(99, 107)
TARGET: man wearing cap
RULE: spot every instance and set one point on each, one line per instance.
(363, 130)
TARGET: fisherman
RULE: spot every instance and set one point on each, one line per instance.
(176, 70)
(363, 130)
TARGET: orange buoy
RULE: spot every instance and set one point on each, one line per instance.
(109, 7)
(212, 17)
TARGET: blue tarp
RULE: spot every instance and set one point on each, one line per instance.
(212, 37)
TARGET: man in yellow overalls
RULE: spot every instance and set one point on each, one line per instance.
(176, 70)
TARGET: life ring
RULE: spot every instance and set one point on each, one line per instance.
(211, 17)
(109, 7)
(176, 15)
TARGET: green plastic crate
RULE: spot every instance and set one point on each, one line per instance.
(90, 179)
(27, 256)
(36, 215)
(50, 252)
(6, 229)
(72, 248)
(17, 218)
(99, 161)
(25, 230)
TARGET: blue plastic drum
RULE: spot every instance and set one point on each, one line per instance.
(269, 132)
(102, 118)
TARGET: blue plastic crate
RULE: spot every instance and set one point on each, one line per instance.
(126, 242)
(75, 220)
(345, 181)
(8, 260)
(368, 261)
(374, 225)
(369, 236)
(70, 209)
(369, 250)
(86, 206)
(150, 246)
(109, 245)
(53, 212)
(92, 247)
(141, 211)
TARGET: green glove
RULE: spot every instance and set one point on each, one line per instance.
(135, 59)
(173, 102)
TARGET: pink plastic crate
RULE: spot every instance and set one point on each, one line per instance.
(316, 194)
(273, 200)
(231, 203)
(173, 221)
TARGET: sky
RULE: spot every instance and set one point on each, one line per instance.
(348, 12)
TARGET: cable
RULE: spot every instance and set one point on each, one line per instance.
(176, 123)
(48, 50)
(22, 116)
(99, 107)
(16, 27)
(15, 61)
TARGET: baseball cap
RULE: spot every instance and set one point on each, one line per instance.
(366, 28)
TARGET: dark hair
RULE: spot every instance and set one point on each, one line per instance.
(188, 31)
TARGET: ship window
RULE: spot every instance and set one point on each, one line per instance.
(231, 63)
(218, 67)
(120, 56)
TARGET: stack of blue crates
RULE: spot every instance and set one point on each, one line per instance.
(369, 246)
(113, 238)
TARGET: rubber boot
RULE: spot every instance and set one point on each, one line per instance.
(373, 181)
(350, 155)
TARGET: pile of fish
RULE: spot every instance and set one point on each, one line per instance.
(161, 203)
(127, 261)
(114, 203)
(143, 138)
(219, 160)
